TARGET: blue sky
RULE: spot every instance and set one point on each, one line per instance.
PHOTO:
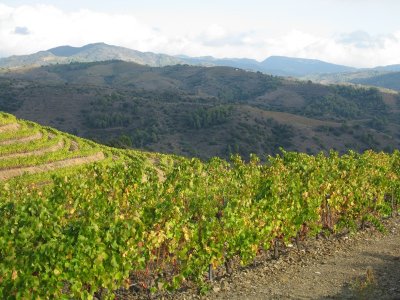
(352, 32)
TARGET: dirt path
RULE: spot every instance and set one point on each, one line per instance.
(160, 173)
(22, 140)
(9, 127)
(7, 174)
(53, 148)
(364, 266)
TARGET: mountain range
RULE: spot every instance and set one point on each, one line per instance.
(302, 68)
(87, 53)
(203, 106)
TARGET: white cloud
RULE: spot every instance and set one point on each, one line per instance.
(358, 49)
(50, 27)
(30, 28)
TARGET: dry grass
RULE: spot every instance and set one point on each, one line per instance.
(364, 285)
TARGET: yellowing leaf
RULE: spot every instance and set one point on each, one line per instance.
(14, 275)
(186, 233)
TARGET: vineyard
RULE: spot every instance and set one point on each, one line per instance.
(158, 222)
(27, 148)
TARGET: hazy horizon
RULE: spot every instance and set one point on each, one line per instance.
(357, 33)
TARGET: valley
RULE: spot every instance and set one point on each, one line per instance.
(201, 111)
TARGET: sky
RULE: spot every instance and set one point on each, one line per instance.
(360, 33)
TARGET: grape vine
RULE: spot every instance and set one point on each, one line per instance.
(120, 224)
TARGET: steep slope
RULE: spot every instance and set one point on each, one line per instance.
(27, 148)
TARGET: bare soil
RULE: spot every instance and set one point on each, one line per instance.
(7, 174)
(22, 140)
(9, 127)
(74, 146)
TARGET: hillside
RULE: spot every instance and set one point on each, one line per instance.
(199, 111)
(359, 77)
(385, 77)
(32, 154)
(28, 149)
(389, 81)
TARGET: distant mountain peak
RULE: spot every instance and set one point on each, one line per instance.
(295, 66)
(67, 51)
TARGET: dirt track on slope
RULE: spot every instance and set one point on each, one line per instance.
(10, 173)
(22, 140)
(9, 127)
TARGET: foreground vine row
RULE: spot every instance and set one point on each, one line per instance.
(123, 224)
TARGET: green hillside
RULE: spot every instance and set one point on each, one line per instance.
(136, 224)
(32, 153)
(201, 112)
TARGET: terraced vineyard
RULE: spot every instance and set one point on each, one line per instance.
(27, 148)
(152, 222)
